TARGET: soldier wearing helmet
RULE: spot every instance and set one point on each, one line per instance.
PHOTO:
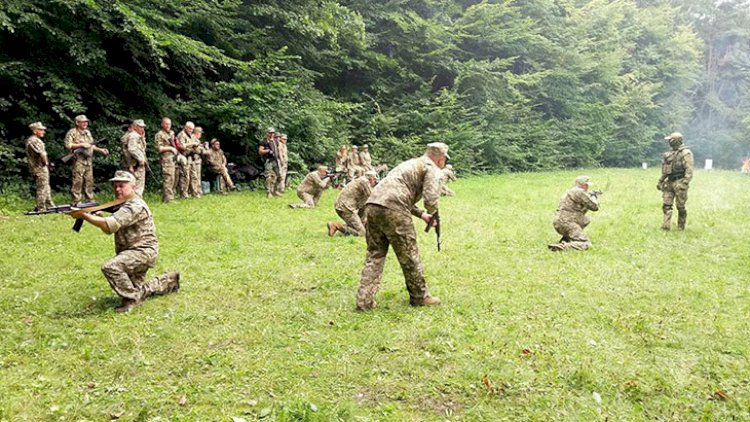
(676, 174)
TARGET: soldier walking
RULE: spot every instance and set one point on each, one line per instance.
(83, 167)
(571, 218)
(350, 205)
(388, 212)
(676, 174)
(36, 154)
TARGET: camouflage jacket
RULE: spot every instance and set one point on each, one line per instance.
(677, 164)
(354, 159)
(35, 151)
(313, 184)
(136, 149)
(355, 194)
(406, 184)
(575, 204)
(342, 161)
(216, 160)
(133, 226)
(164, 139)
(184, 139)
(283, 153)
(75, 136)
(365, 160)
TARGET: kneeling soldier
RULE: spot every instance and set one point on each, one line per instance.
(571, 218)
(312, 188)
(350, 205)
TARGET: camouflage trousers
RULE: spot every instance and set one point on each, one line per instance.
(224, 179)
(281, 181)
(272, 175)
(140, 179)
(386, 227)
(126, 274)
(83, 179)
(674, 191)
(196, 191)
(43, 194)
(168, 173)
(308, 200)
(354, 225)
(573, 236)
(183, 176)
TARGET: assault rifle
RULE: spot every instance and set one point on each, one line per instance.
(81, 151)
(436, 219)
(596, 194)
(110, 207)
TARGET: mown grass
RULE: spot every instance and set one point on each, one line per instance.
(654, 323)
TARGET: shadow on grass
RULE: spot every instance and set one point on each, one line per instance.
(96, 307)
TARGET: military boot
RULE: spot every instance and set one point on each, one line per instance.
(332, 229)
(174, 283)
(667, 224)
(681, 218)
(425, 301)
(127, 305)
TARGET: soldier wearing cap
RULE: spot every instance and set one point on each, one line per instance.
(312, 187)
(571, 218)
(342, 160)
(268, 151)
(36, 154)
(217, 163)
(448, 176)
(135, 153)
(388, 212)
(83, 168)
(355, 164)
(195, 150)
(283, 163)
(350, 205)
(183, 164)
(365, 161)
(136, 246)
(676, 174)
(165, 145)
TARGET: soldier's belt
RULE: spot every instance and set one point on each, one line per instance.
(675, 176)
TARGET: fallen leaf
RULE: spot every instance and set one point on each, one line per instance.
(331, 323)
(182, 400)
(116, 415)
(486, 381)
(525, 352)
(91, 385)
(721, 395)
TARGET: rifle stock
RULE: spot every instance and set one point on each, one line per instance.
(79, 151)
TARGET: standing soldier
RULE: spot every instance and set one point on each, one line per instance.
(136, 246)
(183, 165)
(355, 163)
(312, 187)
(164, 141)
(676, 174)
(388, 212)
(36, 154)
(217, 163)
(364, 158)
(195, 151)
(283, 163)
(136, 154)
(342, 160)
(83, 167)
(125, 158)
(350, 205)
(268, 151)
(571, 218)
(448, 176)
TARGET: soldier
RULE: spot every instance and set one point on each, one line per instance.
(448, 176)
(354, 165)
(350, 205)
(135, 244)
(342, 160)
(36, 154)
(217, 163)
(136, 154)
(571, 218)
(164, 141)
(312, 187)
(183, 164)
(83, 168)
(388, 212)
(283, 163)
(364, 158)
(195, 150)
(676, 174)
(268, 151)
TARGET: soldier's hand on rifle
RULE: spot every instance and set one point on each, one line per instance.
(659, 186)
(428, 219)
(104, 151)
(76, 213)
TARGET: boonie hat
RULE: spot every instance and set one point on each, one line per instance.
(439, 147)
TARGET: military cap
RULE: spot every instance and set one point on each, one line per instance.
(673, 135)
(123, 176)
(371, 173)
(580, 180)
(215, 140)
(323, 168)
(355, 147)
(439, 148)
(139, 122)
(37, 126)
(270, 130)
(365, 146)
(81, 118)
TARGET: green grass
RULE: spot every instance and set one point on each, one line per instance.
(655, 323)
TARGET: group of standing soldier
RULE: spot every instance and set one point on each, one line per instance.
(353, 162)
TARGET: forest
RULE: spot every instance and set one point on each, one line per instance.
(510, 85)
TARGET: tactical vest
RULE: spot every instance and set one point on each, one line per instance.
(673, 165)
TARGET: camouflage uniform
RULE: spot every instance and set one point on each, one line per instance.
(183, 165)
(365, 161)
(137, 250)
(350, 206)
(354, 164)
(310, 190)
(217, 163)
(342, 161)
(35, 151)
(388, 212)
(271, 165)
(194, 151)
(136, 153)
(676, 174)
(125, 159)
(571, 219)
(283, 166)
(83, 167)
(166, 159)
(448, 176)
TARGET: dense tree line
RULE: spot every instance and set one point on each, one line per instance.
(511, 85)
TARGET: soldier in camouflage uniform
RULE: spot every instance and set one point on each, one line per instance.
(217, 163)
(183, 164)
(164, 141)
(135, 148)
(388, 212)
(196, 151)
(350, 205)
(83, 167)
(676, 174)
(283, 163)
(135, 244)
(448, 176)
(365, 161)
(342, 160)
(268, 151)
(571, 218)
(355, 164)
(36, 154)
(312, 187)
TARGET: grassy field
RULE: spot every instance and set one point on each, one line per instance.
(647, 325)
